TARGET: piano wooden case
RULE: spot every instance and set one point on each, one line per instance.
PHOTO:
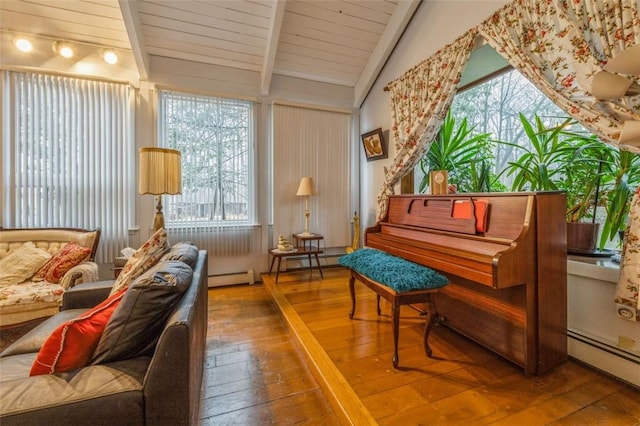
(505, 254)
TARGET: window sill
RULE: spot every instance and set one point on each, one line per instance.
(603, 269)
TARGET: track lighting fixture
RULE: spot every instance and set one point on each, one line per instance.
(23, 44)
(109, 56)
(63, 49)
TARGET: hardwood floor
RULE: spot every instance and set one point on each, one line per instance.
(312, 365)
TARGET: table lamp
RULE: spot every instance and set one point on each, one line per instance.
(305, 189)
(160, 173)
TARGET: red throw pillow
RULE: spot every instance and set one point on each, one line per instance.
(67, 257)
(72, 344)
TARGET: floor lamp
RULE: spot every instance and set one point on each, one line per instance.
(305, 189)
(159, 173)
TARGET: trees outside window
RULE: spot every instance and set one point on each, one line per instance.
(215, 137)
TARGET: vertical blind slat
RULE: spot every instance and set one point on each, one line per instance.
(70, 138)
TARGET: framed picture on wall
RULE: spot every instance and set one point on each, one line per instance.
(374, 145)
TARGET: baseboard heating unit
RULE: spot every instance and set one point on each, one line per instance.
(605, 357)
(231, 279)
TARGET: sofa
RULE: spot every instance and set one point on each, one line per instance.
(156, 383)
(37, 265)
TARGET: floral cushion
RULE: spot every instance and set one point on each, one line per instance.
(144, 258)
(20, 264)
(67, 257)
(30, 292)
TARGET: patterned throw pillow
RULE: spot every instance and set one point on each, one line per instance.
(144, 258)
(67, 257)
(72, 344)
(22, 263)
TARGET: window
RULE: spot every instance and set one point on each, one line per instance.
(215, 137)
(67, 156)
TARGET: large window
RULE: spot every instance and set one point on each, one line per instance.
(215, 137)
(67, 152)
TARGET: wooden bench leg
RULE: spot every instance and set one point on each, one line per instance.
(352, 281)
(429, 325)
(395, 324)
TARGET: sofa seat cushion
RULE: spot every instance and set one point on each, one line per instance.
(68, 393)
(29, 293)
(35, 338)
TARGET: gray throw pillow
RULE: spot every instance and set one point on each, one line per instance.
(136, 324)
(184, 251)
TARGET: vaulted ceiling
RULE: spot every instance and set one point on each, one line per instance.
(343, 42)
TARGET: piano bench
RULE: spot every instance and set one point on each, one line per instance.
(397, 280)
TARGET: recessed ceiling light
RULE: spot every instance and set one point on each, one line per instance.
(63, 49)
(23, 44)
(110, 56)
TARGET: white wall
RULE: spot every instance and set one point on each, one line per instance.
(435, 24)
(596, 335)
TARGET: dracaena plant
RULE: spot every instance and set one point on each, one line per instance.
(463, 154)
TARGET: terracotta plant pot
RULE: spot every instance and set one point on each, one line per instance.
(582, 237)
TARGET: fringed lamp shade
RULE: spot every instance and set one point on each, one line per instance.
(159, 173)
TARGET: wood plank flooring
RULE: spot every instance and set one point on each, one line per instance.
(258, 371)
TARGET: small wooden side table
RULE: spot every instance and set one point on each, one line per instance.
(303, 247)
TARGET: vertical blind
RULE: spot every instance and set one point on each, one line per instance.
(68, 155)
(312, 142)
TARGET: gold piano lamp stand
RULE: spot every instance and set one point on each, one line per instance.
(159, 173)
(305, 189)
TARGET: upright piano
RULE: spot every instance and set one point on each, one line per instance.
(505, 255)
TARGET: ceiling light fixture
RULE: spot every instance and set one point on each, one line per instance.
(63, 49)
(23, 44)
(109, 56)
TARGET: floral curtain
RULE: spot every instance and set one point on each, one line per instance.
(420, 100)
(560, 45)
(627, 301)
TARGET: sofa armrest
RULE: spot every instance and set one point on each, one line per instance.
(86, 295)
(85, 272)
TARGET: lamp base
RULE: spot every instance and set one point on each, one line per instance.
(158, 219)
(306, 234)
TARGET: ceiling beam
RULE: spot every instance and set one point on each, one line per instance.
(392, 33)
(134, 32)
(272, 45)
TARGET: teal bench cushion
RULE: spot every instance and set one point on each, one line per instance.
(395, 272)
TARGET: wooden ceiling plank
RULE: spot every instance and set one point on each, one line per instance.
(385, 6)
(162, 11)
(316, 63)
(168, 26)
(326, 15)
(209, 53)
(177, 54)
(168, 35)
(271, 47)
(323, 46)
(367, 11)
(181, 10)
(400, 19)
(326, 27)
(300, 31)
(344, 58)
